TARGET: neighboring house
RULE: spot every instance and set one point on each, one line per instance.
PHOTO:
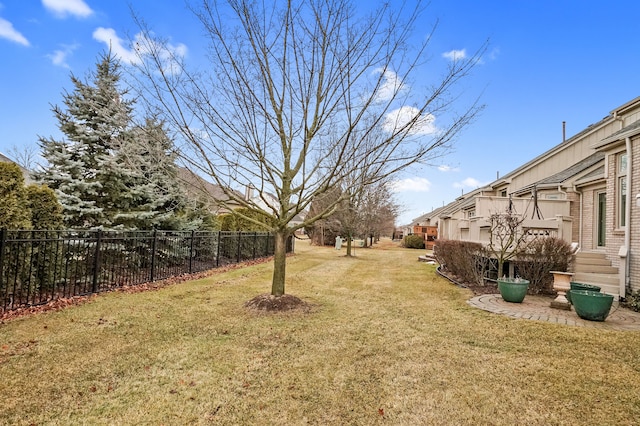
(25, 172)
(582, 190)
(422, 226)
(269, 202)
(213, 196)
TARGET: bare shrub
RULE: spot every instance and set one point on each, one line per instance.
(539, 258)
(464, 259)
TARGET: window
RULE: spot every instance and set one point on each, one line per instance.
(471, 213)
(622, 189)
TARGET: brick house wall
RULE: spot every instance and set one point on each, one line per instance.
(615, 236)
(589, 211)
(574, 212)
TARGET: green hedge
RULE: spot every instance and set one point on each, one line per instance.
(413, 241)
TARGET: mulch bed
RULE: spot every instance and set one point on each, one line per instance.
(285, 303)
(477, 289)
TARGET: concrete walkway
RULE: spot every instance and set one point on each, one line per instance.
(537, 308)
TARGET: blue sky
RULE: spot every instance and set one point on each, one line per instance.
(548, 61)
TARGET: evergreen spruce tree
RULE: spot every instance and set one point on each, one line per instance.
(158, 201)
(85, 170)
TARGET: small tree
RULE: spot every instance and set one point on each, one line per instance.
(380, 211)
(14, 210)
(299, 94)
(506, 237)
(46, 211)
(323, 231)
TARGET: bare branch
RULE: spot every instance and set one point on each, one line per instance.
(302, 99)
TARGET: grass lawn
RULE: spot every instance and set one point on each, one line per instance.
(387, 342)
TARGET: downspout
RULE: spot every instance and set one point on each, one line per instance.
(580, 214)
(561, 224)
(627, 228)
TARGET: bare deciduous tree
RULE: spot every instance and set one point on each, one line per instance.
(507, 237)
(26, 156)
(297, 95)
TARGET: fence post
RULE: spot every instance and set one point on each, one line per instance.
(3, 242)
(266, 244)
(153, 256)
(239, 244)
(218, 249)
(193, 233)
(96, 262)
(255, 242)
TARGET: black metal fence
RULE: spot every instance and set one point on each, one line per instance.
(40, 266)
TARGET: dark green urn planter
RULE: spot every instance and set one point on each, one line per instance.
(591, 305)
(581, 286)
(513, 289)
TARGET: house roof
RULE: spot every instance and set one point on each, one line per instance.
(427, 216)
(471, 201)
(198, 187)
(566, 174)
(588, 130)
(593, 176)
(450, 208)
(591, 128)
(627, 131)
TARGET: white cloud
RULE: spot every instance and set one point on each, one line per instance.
(396, 119)
(132, 56)
(445, 168)
(7, 31)
(59, 57)
(469, 183)
(390, 86)
(62, 8)
(411, 185)
(455, 55)
(115, 44)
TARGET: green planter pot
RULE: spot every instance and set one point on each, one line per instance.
(513, 289)
(581, 286)
(591, 305)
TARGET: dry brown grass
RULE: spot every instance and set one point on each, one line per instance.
(387, 341)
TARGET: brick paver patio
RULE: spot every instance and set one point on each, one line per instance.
(538, 308)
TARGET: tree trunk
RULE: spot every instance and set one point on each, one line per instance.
(279, 263)
(349, 244)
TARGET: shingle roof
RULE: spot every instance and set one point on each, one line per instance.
(590, 177)
(630, 130)
(566, 174)
(574, 170)
(199, 188)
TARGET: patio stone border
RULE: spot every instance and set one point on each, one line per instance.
(538, 308)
